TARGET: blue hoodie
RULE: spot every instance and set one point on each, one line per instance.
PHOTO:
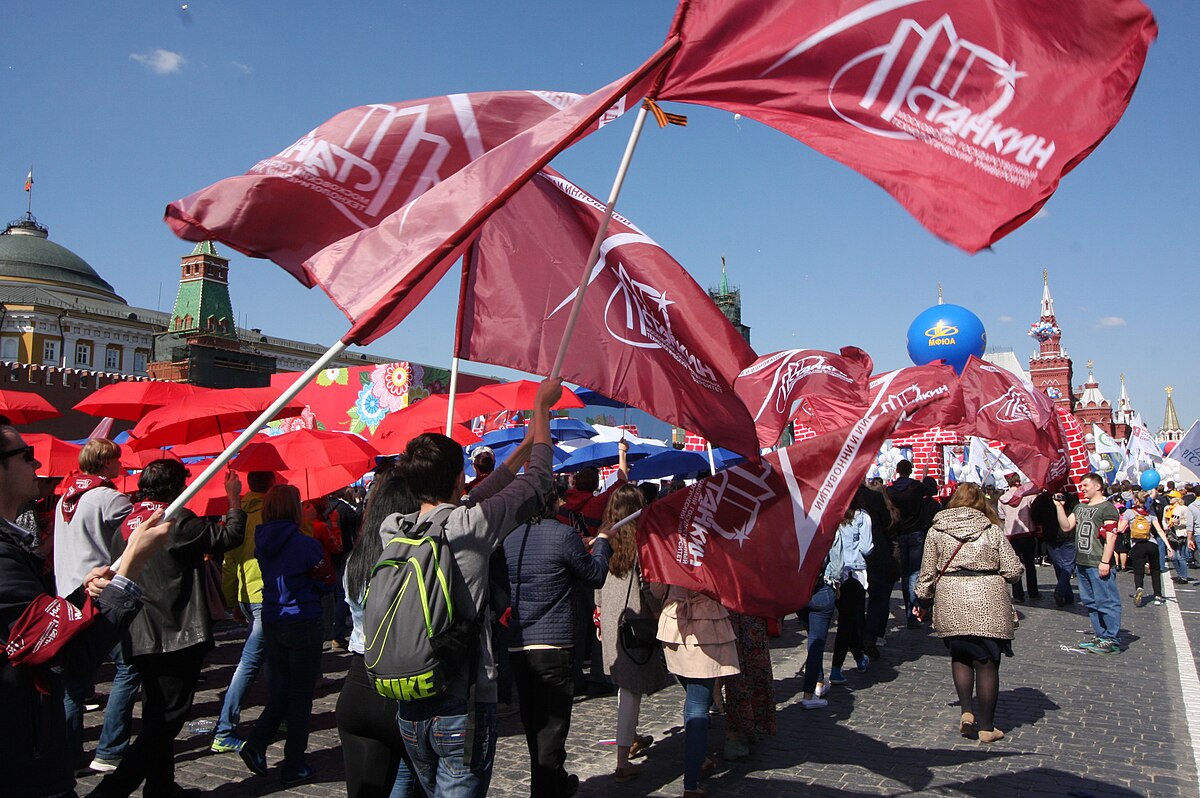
(295, 572)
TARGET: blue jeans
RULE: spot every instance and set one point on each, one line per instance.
(434, 738)
(1062, 555)
(1162, 555)
(1179, 560)
(247, 671)
(1103, 601)
(118, 713)
(820, 615)
(912, 549)
(695, 727)
(879, 600)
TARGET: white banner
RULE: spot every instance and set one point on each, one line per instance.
(1187, 451)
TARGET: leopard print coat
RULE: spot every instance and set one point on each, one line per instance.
(972, 597)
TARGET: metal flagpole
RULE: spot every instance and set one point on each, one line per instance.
(458, 324)
(594, 255)
(712, 462)
(267, 415)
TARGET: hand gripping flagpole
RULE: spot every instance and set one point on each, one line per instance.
(288, 395)
(594, 255)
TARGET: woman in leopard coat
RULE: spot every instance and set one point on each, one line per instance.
(966, 566)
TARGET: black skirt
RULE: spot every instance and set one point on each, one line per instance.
(973, 648)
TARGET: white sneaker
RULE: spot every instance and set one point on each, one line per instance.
(822, 690)
(813, 703)
(99, 765)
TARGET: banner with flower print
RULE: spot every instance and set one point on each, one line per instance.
(357, 399)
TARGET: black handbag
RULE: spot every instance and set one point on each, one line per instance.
(638, 636)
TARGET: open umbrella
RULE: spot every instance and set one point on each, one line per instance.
(680, 463)
(606, 454)
(503, 437)
(567, 429)
(137, 460)
(593, 399)
(307, 450)
(519, 396)
(394, 433)
(212, 412)
(58, 458)
(130, 401)
(23, 407)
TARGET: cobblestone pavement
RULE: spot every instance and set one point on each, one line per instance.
(1078, 724)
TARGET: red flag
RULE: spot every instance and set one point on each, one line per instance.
(376, 277)
(754, 536)
(352, 171)
(774, 385)
(929, 396)
(647, 335)
(1000, 406)
(956, 109)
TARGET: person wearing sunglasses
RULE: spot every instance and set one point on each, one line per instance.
(34, 732)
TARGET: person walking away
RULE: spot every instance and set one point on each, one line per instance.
(750, 695)
(1014, 507)
(242, 585)
(547, 562)
(699, 647)
(85, 519)
(296, 574)
(883, 567)
(967, 561)
(1143, 528)
(855, 541)
(909, 497)
(168, 641)
(627, 595)
(372, 749)
(1059, 543)
(1096, 525)
(1179, 537)
(434, 729)
(344, 515)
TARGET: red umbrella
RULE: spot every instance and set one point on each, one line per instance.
(136, 461)
(314, 483)
(23, 407)
(58, 458)
(130, 401)
(394, 433)
(307, 450)
(212, 412)
(519, 396)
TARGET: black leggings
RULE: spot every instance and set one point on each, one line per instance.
(978, 679)
(851, 599)
(372, 747)
(1143, 552)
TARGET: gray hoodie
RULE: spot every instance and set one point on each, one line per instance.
(475, 529)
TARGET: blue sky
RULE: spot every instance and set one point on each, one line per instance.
(123, 107)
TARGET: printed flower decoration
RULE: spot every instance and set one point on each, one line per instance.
(367, 412)
(390, 383)
(333, 377)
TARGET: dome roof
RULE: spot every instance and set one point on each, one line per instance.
(28, 255)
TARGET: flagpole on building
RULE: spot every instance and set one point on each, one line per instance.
(267, 415)
(594, 255)
(458, 325)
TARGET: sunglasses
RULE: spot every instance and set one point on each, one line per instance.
(24, 451)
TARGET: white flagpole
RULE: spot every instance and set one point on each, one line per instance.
(453, 392)
(458, 325)
(712, 462)
(594, 256)
(216, 465)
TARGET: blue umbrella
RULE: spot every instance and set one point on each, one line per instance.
(503, 437)
(502, 453)
(565, 429)
(680, 463)
(593, 399)
(606, 454)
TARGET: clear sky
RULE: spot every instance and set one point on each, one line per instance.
(122, 107)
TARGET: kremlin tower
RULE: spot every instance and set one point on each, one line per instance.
(1050, 367)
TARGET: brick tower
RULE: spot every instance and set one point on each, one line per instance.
(1091, 406)
(1050, 366)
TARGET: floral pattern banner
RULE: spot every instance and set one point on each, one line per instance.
(357, 399)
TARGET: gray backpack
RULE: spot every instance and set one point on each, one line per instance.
(416, 641)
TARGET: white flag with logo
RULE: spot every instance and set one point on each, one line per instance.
(1187, 451)
(1105, 443)
(1142, 446)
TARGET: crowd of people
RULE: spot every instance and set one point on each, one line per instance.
(545, 578)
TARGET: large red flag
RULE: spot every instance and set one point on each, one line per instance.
(377, 276)
(1000, 406)
(967, 113)
(647, 335)
(774, 385)
(754, 536)
(353, 170)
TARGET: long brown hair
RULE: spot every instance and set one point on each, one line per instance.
(968, 494)
(624, 502)
(282, 503)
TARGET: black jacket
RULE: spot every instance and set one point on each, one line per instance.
(176, 612)
(33, 729)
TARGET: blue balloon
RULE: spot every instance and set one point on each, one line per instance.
(946, 332)
(1150, 479)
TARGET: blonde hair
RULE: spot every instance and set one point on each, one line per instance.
(968, 494)
(96, 454)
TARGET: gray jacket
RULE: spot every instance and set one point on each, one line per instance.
(82, 544)
(474, 530)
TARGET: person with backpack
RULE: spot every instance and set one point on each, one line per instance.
(296, 574)
(446, 697)
(547, 562)
(1143, 528)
